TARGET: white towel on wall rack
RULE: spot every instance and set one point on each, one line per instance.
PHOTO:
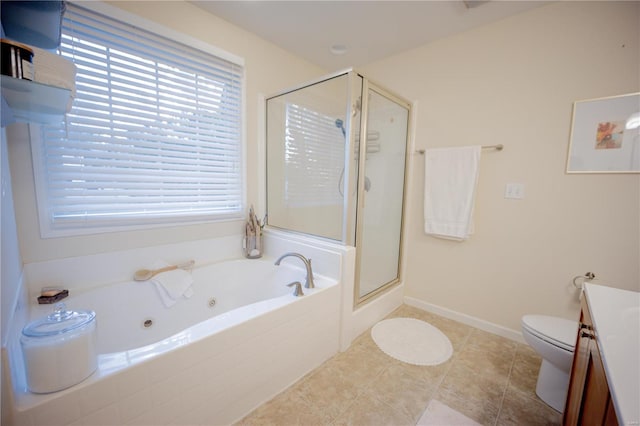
(450, 182)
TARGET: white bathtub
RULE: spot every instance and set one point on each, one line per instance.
(122, 309)
(239, 340)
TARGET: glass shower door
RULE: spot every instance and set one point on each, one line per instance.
(381, 191)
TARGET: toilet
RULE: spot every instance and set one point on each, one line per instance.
(554, 339)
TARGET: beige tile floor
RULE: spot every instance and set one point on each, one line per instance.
(489, 379)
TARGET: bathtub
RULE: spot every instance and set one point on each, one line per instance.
(131, 316)
(239, 340)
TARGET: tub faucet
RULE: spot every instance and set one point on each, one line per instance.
(307, 263)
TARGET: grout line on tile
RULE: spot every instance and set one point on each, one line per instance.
(449, 367)
(504, 392)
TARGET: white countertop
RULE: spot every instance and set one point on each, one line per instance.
(616, 319)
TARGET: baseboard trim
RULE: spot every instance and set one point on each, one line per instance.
(466, 319)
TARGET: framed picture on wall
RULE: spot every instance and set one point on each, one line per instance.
(605, 135)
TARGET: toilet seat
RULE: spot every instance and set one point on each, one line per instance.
(557, 331)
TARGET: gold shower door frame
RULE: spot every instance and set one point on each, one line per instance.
(367, 88)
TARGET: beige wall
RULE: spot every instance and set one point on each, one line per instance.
(268, 68)
(514, 82)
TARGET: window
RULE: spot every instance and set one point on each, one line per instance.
(154, 135)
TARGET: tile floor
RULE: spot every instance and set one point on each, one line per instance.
(489, 379)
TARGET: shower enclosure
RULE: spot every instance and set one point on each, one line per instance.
(336, 153)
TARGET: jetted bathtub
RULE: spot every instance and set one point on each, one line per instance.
(238, 341)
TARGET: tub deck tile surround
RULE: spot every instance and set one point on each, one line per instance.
(489, 379)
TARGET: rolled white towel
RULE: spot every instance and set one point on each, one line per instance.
(54, 70)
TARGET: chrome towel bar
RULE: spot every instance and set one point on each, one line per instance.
(498, 147)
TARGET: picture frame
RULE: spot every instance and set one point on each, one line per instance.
(605, 135)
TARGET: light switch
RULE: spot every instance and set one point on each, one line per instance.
(514, 191)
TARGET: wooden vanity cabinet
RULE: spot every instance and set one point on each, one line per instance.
(588, 398)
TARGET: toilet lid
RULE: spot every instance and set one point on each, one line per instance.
(558, 331)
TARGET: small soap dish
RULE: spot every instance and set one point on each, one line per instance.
(51, 295)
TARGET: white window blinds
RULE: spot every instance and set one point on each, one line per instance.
(154, 135)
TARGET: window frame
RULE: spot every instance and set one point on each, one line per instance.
(49, 230)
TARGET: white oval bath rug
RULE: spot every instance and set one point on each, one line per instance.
(412, 341)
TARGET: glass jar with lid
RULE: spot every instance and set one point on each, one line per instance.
(59, 349)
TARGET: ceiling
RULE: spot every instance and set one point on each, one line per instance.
(367, 30)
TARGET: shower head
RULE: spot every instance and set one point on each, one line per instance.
(340, 125)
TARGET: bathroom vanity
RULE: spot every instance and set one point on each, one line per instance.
(604, 388)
